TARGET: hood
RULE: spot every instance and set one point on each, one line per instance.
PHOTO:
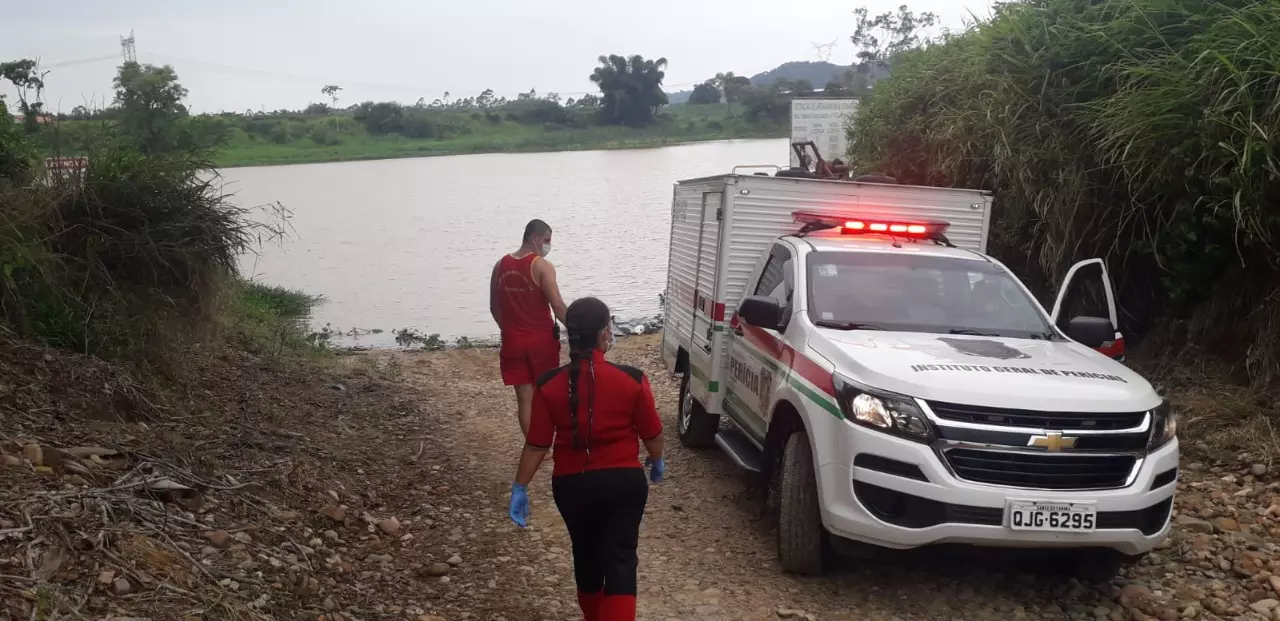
(991, 371)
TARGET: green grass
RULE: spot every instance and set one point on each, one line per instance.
(271, 320)
(679, 124)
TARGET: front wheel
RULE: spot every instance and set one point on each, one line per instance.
(695, 426)
(804, 547)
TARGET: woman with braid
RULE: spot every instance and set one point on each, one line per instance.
(593, 415)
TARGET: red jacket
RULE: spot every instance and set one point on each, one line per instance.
(615, 413)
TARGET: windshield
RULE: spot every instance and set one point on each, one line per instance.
(905, 293)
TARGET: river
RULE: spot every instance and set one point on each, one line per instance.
(410, 243)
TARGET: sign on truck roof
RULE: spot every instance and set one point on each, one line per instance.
(825, 122)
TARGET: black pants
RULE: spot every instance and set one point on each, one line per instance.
(602, 510)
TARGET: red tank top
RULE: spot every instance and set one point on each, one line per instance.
(524, 308)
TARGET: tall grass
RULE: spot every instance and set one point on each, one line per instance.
(133, 258)
(1144, 131)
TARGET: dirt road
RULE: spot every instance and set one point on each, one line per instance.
(375, 487)
(707, 551)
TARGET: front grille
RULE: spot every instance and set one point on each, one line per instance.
(1040, 470)
(1036, 419)
(908, 511)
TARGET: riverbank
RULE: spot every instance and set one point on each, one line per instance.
(519, 139)
(374, 487)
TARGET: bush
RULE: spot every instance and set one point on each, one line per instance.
(131, 261)
(1138, 130)
(325, 136)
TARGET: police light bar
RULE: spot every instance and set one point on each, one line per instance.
(853, 224)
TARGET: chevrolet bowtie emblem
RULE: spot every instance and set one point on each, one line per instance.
(1053, 442)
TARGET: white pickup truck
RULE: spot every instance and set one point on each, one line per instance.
(897, 387)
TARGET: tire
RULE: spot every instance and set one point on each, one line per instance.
(804, 546)
(696, 428)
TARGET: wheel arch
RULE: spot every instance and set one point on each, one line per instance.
(784, 421)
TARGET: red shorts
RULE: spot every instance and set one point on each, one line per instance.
(523, 359)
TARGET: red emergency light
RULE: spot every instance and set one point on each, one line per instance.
(854, 224)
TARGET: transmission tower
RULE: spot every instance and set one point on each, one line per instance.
(824, 50)
(127, 49)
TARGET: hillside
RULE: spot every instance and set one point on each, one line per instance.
(817, 73)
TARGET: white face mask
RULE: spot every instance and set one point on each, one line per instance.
(544, 250)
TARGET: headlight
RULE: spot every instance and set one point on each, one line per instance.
(883, 411)
(1164, 425)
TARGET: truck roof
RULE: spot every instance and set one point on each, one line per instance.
(822, 241)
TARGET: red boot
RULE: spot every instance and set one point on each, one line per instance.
(590, 605)
(618, 608)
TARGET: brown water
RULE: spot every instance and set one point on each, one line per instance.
(410, 243)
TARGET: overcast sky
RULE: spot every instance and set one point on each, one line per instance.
(241, 54)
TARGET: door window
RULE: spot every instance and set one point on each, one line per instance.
(777, 280)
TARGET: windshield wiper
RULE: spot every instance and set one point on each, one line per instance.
(970, 332)
(846, 325)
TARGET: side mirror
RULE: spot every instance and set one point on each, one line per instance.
(761, 311)
(1091, 331)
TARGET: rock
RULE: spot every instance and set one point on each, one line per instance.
(1190, 612)
(1216, 605)
(438, 569)
(106, 577)
(335, 512)
(379, 558)
(1264, 606)
(220, 539)
(787, 613)
(331, 535)
(1226, 525)
(1136, 596)
(390, 526)
(10, 460)
(1193, 525)
(243, 537)
(1258, 470)
(329, 605)
(289, 516)
(455, 560)
(121, 587)
(34, 454)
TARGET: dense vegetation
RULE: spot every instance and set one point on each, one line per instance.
(631, 110)
(1144, 131)
(133, 257)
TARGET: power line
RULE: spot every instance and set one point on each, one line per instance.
(81, 61)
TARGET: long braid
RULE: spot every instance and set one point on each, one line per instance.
(575, 363)
(584, 320)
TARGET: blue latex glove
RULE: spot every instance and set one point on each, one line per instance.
(519, 510)
(656, 468)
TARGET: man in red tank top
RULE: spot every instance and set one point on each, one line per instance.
(522, 296)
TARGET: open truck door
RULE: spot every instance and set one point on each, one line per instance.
(1088, 286)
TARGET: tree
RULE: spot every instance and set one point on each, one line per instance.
(886, 35)
(630, 88)
(150, 100)
(331, 91)
(22, 74)
(732, 87)
(705, 93)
